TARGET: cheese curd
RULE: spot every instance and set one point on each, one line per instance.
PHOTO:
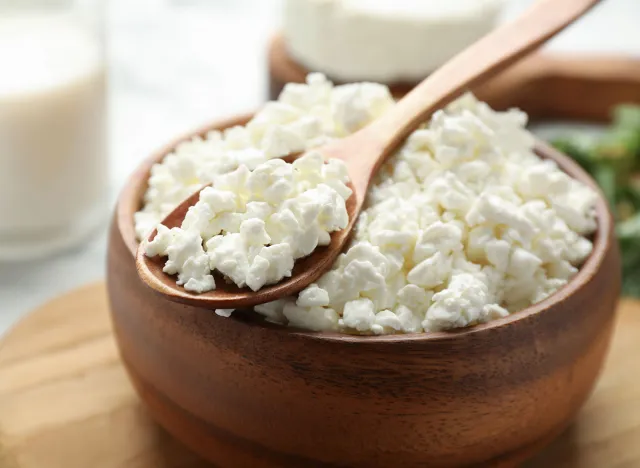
(251, 226)
(464, 224)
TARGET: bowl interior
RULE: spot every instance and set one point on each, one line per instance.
(131, 199)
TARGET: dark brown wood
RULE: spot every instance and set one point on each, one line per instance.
(243, 392)
(66, 402)
(545, 85)
(366, 150)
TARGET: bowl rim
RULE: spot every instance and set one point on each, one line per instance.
(132, 193)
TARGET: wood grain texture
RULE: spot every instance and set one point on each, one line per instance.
(545, 85)
(66, 402)
(242, 392)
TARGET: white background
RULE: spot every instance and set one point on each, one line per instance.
(176, 64)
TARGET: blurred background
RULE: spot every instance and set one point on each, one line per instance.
(85, 97)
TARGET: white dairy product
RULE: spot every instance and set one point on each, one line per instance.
(464, 224)
(53, 165)
(251, 226)
(383, 40)
(304, 117)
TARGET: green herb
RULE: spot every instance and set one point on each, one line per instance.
(627, 116)
(577, 151)
(605, 176)
(614, 162)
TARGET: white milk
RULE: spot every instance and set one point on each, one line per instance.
(53, 164)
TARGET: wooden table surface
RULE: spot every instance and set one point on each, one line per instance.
(65, 401)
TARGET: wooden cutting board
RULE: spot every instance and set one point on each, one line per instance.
(65, 401)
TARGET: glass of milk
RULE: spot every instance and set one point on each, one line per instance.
(53, 125)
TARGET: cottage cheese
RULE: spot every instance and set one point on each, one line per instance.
(383, 40)
(464, 224)
(252, 225)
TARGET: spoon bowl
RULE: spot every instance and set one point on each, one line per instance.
(366, 150)
(227, 295)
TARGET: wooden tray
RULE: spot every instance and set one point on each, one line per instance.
(545, 85)
(66, 402)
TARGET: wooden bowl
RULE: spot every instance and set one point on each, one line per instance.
(245, 393)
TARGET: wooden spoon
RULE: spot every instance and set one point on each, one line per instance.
(366, 150)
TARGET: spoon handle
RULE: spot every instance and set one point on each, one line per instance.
(493, 53)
